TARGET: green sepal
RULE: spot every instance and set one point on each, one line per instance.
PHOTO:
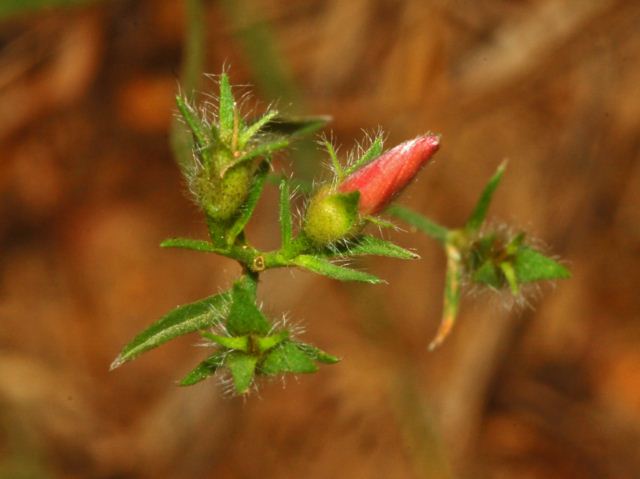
(287, 357)
(239, 343)
(419, 222)
(202, 371)
(226, 109)
(264, 149)
(531, 265)
(335, 163)
(294, 127)
(510, 276)
(371, 245)
(244, 316)
(250, 204)
(327, 268)
(452, 293)
(489, 275)
(198, 129)
(265, 343)
(286, 222)
(250, 131)
(182, 320)
(479, 213)
(317, 354)
(242, 367)
(192, 244)
(371, 153)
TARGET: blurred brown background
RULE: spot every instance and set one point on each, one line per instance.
(88, 188)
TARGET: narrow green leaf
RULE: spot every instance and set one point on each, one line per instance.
(254, 128)
(489, 275)
(510, 275)
(286, 227)
(452, 292)
(317, 354)
(193, 244)
(531, 265)
(370, 245)
(182, 320)
(250, 204)
(372, 152)
(240, 343)
(294, 127)
(226, 108)
(242, 367)
(202, 371)
(264, 149)
(482, 206)
(287, 358)
(420, 222)
(193, 122)
(325, 267)
(244, 315)
(265, 343)
(337, 167)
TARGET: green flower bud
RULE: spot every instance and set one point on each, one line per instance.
(331, 216)
(221, 198)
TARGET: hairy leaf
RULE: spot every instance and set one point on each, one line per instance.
(482, 206)
(250, 204)
(193, 244)
(531, 265)
(242, 367)
(202, 371)
(287, 358)
(370, 245)
(325, 267)
(420, 222)
(182, 320)
(286, 226)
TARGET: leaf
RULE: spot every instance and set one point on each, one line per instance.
(372, 152)
(286, 227)
(264, 149)
(370, 245)
(287, 358)
(240, 343)
(325, 267)
(182, 320)
(531, 265)
(193, 122)
(482, 206)
(255, 192)
(265, 343)
(254, 128)
(193, 244)
(510, 276)
(337, 167)
(226, 108)
(242, 367)
(202, 371)
(244, 315)
(421, 223)
(452, 290)
(489, 275)
(295, 126)
(317, 354)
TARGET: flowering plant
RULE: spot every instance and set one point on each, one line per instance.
(227, 174)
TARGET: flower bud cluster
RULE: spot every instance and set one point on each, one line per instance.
(335, 213)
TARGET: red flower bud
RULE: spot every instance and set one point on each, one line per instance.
(380, 181)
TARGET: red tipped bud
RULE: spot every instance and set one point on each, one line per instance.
(380, 181)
